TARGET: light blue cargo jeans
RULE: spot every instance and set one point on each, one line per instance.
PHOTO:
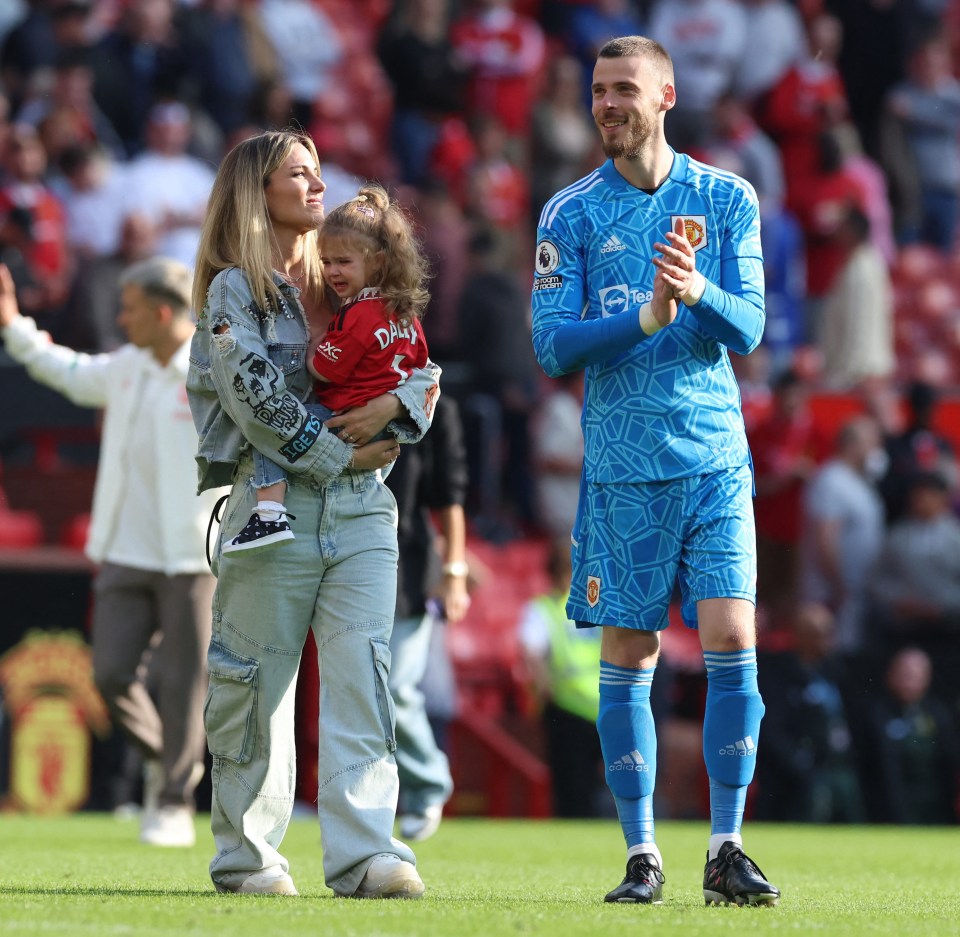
(337, 577)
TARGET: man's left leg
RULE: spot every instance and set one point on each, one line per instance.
(719, 574)
(183, 605)
(731, 731)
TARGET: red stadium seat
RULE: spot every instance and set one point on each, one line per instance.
(20, 529)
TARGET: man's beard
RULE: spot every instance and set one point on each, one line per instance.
(632, 143)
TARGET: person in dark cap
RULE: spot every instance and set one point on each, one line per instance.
(919, 448)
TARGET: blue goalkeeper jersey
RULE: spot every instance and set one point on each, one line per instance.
(664, 406)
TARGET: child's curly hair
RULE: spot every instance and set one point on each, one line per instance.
(375, 222)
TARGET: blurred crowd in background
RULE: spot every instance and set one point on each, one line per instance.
(843, 114)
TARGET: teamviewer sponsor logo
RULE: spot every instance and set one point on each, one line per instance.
(614, 299)
(743, 748)
(630, 762)
(612, 245)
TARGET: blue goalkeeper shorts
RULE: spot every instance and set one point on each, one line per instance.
(633, 544)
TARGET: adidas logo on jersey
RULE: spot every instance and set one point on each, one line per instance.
(743, 748)
(613, 245)
(632, 762)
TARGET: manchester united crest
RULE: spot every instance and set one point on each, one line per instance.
(695, 228)
(593, 590)
(47, 681)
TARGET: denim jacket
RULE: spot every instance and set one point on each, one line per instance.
(246, 388)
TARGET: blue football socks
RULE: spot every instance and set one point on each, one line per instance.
(731, 730)
(628, 739)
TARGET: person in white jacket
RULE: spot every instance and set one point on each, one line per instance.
(147, 529)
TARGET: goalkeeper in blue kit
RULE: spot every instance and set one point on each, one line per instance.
(646, 272)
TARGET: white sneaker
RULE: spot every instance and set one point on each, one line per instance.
(265, 882)
(154, 780)
(420, 826)
(389, 876)
(168, 826)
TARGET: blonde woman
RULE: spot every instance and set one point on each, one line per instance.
(259, 287)
(372, 262)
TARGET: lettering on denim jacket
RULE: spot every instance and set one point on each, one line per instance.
(281, 414)
(306, 436)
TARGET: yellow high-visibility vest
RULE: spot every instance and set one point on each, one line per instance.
(574, 660)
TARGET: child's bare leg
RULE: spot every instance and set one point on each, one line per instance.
(270, 498)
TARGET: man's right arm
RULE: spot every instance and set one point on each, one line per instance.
(563, 340)
(83, 379)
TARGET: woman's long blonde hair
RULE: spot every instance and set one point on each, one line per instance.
(377, 224)
(237, 231)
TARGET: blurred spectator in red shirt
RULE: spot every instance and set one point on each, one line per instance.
(504, 53)
(351, 118)
(498, 192)
(32, 227)
(452, 157)
(783, 446)
(806, 102)
(827, 199)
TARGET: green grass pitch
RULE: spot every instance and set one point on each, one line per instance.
(87, 875)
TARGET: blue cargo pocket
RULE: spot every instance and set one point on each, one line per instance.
(230, 710)
(388, 711)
